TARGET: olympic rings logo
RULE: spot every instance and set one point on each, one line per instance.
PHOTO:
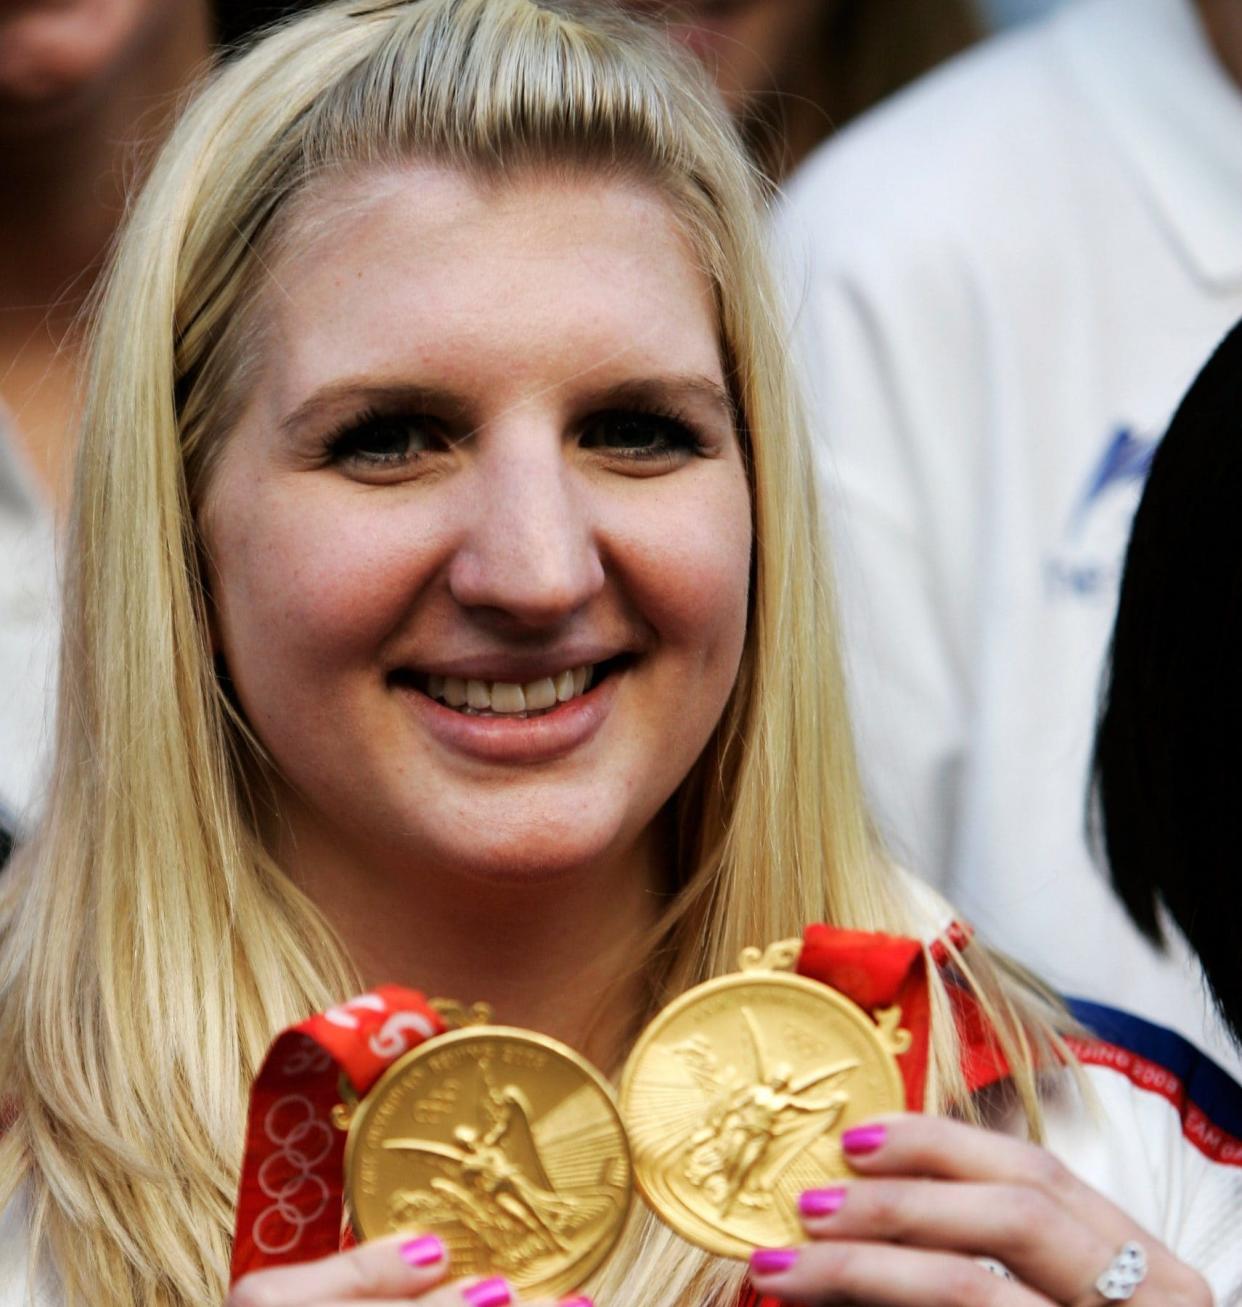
(299, 1196)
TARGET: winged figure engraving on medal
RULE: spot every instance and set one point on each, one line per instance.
(527, 1190)
(735, 1097)
(758, 1120)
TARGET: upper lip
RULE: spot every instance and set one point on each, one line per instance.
(514, 668)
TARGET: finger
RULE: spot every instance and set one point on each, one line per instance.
(490, 1292)
(883, 1275)
(402, 1267)
(457, 1293)
(936, 1147)
(1015, 1224)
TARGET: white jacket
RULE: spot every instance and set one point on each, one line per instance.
(1004, 281)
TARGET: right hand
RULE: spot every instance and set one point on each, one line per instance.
(385, 1272)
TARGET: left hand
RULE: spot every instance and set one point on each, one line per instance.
(930, 1196)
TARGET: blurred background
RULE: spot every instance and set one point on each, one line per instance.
(1004, 13)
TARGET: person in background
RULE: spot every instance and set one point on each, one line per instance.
(1005, 279)
(1168, 762)
(88, 89)
(793, 71)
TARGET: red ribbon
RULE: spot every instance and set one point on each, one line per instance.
(876, 971)
(290, 1204)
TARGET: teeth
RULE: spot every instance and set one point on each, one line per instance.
(508, 697)
(478, 695)
(539, 694)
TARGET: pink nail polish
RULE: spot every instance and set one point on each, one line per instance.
(821, 1202)
(772, 1261)
(863, 1139)
(488, 1293)
(426, 1250)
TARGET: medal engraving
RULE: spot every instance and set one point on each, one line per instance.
(505, 1144)
(736, 1095)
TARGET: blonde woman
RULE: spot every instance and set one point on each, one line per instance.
(439, 363)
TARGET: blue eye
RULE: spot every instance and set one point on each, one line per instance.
(380, 440)
(636, 434)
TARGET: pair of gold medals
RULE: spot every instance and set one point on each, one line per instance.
(516, 1153)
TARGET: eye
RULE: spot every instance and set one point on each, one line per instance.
(636, 434)
(382, 441)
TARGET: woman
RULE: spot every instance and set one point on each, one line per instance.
(446, 609)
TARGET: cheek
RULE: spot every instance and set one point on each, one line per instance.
(696, 571)
(300, 594)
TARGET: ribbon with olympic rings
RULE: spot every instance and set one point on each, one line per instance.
(289, 1206)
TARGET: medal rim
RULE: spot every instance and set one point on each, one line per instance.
(435, 1044)
(727, 1245)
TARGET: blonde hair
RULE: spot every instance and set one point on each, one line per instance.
(151, 946)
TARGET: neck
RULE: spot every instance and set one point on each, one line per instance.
(1222, 21)
(562, 956)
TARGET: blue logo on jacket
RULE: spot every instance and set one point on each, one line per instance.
(1126, 461)
(1087, 564)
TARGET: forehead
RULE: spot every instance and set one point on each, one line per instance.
(430, 266)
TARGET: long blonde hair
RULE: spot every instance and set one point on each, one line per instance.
(151, 946)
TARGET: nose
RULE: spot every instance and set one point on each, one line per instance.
(530, 553)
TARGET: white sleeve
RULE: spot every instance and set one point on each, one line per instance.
(18, 1286)
(892, 352)
(1133, 1146)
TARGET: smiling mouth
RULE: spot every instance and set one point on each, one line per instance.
(509, 699)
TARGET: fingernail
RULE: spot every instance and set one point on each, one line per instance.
(423, 1251)
(863, 1139)
(772, 1261)
(488, 1293)
(580, 1301)
(821, 1202)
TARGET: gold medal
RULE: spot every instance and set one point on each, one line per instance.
(736, 1095)
(505, 1144)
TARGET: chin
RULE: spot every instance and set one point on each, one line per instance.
(530, 855)
(533, 863)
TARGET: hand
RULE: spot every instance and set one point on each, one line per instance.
(931, 1196)
(384, 1273)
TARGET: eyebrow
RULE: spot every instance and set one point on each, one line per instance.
(367, 392)
(666, 389)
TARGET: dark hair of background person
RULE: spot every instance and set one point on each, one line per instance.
(1168, 757)
(238, 20)
(863, 52)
